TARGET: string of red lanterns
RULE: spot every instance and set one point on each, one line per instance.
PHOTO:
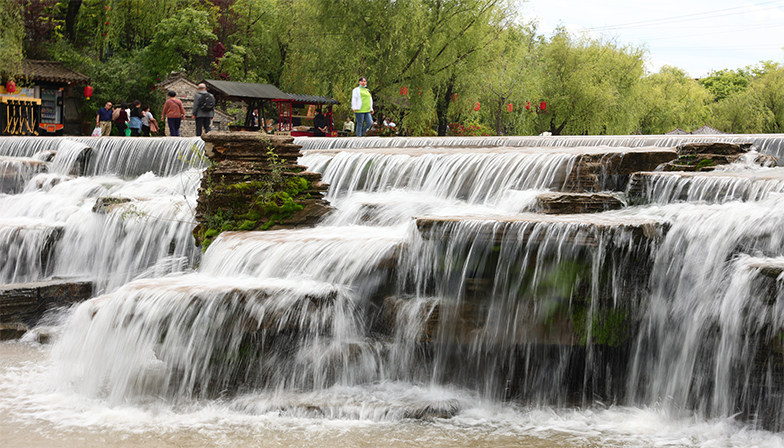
(509, 107)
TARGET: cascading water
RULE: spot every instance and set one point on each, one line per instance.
(103, 228)
(477, 315)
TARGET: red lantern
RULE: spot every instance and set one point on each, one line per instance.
(543, 106)
(476, 107)
(10, 87)
(509, 107)
(88, 92)
(403, 91)
(527, 105)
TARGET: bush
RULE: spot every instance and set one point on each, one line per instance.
(383, 131)
(469, 130)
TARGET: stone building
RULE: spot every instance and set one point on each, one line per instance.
(185, 89)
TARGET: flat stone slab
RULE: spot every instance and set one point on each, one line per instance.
(571, 203)
(26, 302)
(493, 229)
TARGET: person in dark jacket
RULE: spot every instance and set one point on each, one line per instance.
(321, 123)
(202, 112)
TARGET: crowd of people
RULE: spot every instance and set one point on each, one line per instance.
(135, 119)
(131, 120)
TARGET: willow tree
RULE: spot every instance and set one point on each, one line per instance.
(670, 99)
(426, 46)
(589, 86)
(11, 36)
(757, 109)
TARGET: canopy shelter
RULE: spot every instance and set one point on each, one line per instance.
(286, 115)
(255, 95)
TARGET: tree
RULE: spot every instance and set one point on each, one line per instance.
(670, 99)
(724, 83)
(506, 79)
(759, 108)
(424, 45)
(588, 85)
(11, 37)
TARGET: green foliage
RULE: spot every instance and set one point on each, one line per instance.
(589, 86)
(605, 327)
(757, 109)
(671, 99)
(473, 129)
(724, 83)
(449, 54)
(258, 204)
(11, 37)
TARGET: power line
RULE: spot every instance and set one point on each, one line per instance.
(687, 17)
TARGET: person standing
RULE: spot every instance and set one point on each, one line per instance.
(173, 112)
(120, 118)
(362, 105)
(148, 121)
(104, 119)
(135, 122)
(203, 109)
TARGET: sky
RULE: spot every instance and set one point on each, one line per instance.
(698, 36)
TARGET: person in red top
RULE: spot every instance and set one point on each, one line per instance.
(173, 111)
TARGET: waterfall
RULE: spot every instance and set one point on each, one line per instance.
(707, 318)
(126, 157)
(764, 143)
(715, 186)
(109, 227)
(432, 290)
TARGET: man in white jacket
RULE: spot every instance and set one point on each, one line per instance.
(362, 105)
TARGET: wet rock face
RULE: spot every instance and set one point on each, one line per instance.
(25, 303)
(255, 183)
(597, 172)
(568, 203)
(706, 156)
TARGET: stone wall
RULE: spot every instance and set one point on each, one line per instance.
(255, 183)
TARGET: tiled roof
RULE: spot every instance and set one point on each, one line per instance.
(51, 71)
(707, 130)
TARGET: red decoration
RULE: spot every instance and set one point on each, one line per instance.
(527, 105)
(543, 106)
(108, 23)
(10, 87)
(88, 92)
(454, 97)
(403, 91)
(509, 107)
(476, 107)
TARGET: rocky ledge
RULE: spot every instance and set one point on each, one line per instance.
(706, 156)
(255, 183)
(22, 304)
(568, 203)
